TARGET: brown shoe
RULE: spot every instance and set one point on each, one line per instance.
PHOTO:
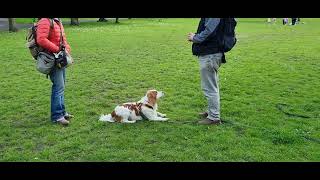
(210, 122)
(63, 121)
(203, 114)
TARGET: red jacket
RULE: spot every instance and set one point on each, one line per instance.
(50, 41)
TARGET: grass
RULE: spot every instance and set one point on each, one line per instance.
(271, 65)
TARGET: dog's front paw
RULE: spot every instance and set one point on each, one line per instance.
(162, 115)
(165, 119)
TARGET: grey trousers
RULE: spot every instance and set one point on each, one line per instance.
(209, 66)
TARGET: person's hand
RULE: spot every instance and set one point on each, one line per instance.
(190, 37)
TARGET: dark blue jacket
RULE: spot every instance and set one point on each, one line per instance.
(208, 37)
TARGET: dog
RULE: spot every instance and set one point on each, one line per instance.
(131, 112)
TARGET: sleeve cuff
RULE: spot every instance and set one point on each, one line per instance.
(196, 39)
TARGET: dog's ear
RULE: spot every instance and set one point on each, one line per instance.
(152, 97)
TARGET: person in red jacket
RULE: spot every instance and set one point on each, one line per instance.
(49, 39)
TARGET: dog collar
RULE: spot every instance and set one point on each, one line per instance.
(149, 106)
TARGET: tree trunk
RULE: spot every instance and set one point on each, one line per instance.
(117, 20)
(12, 25)
(74, 21)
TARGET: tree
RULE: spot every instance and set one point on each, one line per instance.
(75, 21)
(117, 20)
(12, 25)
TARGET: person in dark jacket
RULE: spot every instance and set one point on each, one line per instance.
(102, 20)
(293, 21)
(206, 47)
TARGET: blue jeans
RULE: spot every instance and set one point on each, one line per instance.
(58, 77)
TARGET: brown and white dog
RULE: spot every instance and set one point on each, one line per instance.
(146, 108)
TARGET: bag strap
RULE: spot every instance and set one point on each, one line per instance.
(61, 37)
(51, 26)
(223, 24)
(51, 23)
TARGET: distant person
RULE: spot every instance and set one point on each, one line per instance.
(273, 20)
(102, 20)
(293, 21)
(49, 39)
(298, 20)
(285, 21)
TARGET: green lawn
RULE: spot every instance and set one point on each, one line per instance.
(115, 63)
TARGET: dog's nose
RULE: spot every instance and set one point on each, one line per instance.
(160, 94)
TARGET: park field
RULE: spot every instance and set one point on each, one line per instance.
(270, 97)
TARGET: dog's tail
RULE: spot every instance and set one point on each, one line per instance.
(106, 118)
